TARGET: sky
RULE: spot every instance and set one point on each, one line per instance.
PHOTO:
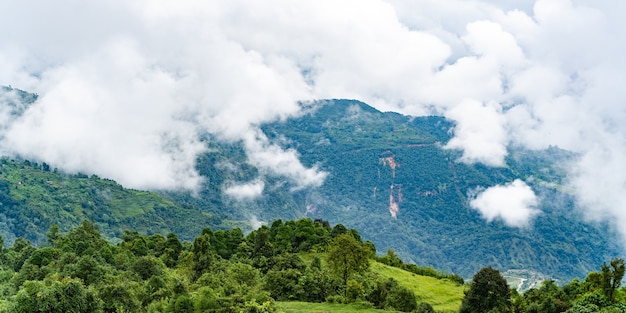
(126, 88)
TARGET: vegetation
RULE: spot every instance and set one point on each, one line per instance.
(286, 267)
(347, 256)
(488, 292)
(373, 158)
(389, 177)
(442, 294)
(35, 196)
(220, 271)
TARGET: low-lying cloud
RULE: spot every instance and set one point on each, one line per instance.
(480, 132)
(247, 191)
(514, 203)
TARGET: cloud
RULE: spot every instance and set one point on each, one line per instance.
(130, 105)
(273, 158)
(513, 203)
(246, 191)
(480, 132)
(126, 88)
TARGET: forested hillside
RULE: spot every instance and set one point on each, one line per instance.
(291, 266)
(220, 271)
(390, 178)
(34, 196)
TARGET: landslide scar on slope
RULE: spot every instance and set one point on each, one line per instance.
(394, 205)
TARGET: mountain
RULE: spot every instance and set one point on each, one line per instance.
(33, 197)
(388, 176)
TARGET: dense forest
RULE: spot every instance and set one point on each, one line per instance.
(220, 271)
(302, 261)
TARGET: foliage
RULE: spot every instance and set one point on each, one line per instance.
(347, 256)
(488, 292)
(52, 295)
(590, 295)
(612, 277)
(34, 197)
(80, 271)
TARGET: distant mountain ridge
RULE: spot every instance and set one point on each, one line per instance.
(386, 164)
(388, 177)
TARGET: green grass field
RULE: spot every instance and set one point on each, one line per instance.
(442, 294)
(306, 307)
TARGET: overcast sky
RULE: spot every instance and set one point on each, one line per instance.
(126, 86)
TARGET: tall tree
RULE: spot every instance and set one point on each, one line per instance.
(612, 277)
(346, 257)
(488, 292)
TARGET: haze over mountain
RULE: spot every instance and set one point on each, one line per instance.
(132, 90)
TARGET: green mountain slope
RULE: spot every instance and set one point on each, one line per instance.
(32, 197)
(386, 164)
(389, 177)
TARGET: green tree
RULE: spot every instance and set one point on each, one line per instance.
(346, 257)
(612, 277)
(88, 269)
(402, 299)
(118, 297)
(54, 235)
(203, 254)
(381, 290)
(283, 284)
(147, 266)
(316, 284)
(84, 239)
(51, 295)
(488, 292)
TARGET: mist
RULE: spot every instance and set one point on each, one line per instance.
(126, 88)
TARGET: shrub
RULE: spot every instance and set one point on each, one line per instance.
(334, 299)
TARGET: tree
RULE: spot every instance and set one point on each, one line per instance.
(203, 253)
(612, 277)
(488, 292)
(402, 299)
(53, 295)
(84, 239)
(346, 257)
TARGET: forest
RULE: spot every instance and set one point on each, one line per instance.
(271, 269)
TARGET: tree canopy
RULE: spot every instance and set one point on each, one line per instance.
(347, 256)
(488, 292)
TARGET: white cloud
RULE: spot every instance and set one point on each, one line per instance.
(273, 158)
(480, 132)
(126, 87)
(246, 191)
(513, 203)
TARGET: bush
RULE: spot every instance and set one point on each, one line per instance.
(355, 291)
(363, 305)
(334, 299)
(401, 299)
(424, 307)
